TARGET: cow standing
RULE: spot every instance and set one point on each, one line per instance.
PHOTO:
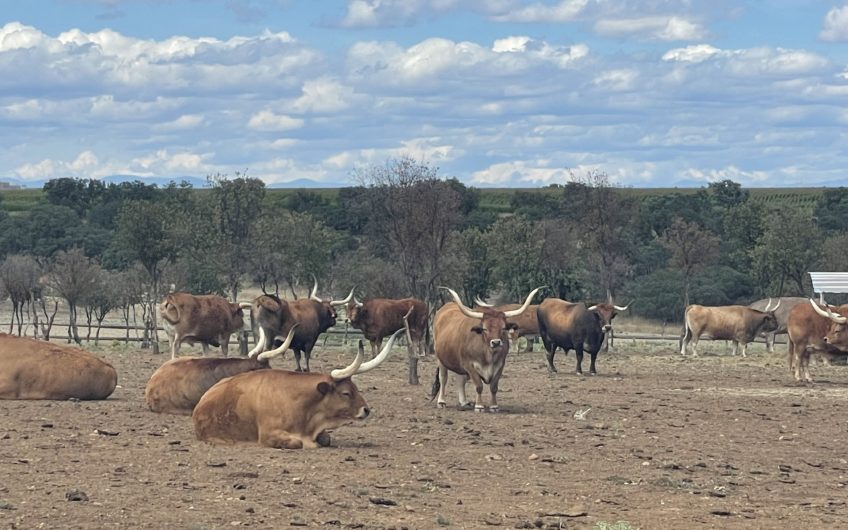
(207, 319)
(570, 325)
(809, 327)
(34, 369)
(527, 322)
(283, 409)
(177, 386)
(378, 318)
(781, 313)
(473, 344)
(733, 322)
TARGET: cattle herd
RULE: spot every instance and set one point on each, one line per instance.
(238, 399)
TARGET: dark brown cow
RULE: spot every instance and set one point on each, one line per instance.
(34, 369)
(569, 325)
(313, 315)
(378, 318)
(813, 328)
(177, 386)
(527, 322)
(473, 344)
(207, 319)
(737, 323)
(283, 409)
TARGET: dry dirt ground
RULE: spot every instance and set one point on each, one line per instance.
(716, 441)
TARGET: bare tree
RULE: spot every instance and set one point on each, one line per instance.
(74, 276)
(691, 248)
(100, 301)
(48, 305)
(19, 275)
(413, 213)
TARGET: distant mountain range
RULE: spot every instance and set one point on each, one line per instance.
(196, 182)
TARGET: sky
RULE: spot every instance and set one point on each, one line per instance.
(497, 93)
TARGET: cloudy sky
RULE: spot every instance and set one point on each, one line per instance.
(494, 92)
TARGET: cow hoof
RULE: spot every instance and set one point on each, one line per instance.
(479, 408)
(494, 409)
(442, 405)
(593, 373)
(323, 439)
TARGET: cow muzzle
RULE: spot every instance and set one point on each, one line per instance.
(364, 412)
(607, 328)
(494, 343)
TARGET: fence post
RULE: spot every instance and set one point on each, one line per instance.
(242, 342)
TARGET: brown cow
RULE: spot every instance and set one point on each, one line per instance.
(276, 317)
(527, 322)
(34, 369)
(811, 329)
(207, 319)
(177, 386)
(283, 409)
(380, 317)
(738, 323)
(569, 325)
(473, 344)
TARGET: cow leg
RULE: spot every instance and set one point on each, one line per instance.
(478, 385)
(493, 388)
(550, 350)
(375, 347)
(175, 346)
(744, 349)
(694, 345)
(592, 356)
(280, 439)
(443, 383)
(460, 391)
(297, 361)
(205, 348)
(578, 352)
(307, 353)
(791, 356)
(770, 342)
(806, 363)
(225, 345)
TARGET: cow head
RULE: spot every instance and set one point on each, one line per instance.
(837, 333)
(607, 312)
(493, 328)
(341, 399)
(769, 322)
(355, 311)
(328, 306)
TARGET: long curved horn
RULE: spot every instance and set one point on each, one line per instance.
(245, 305)
(516, 312)
(768, 305)
(384, 353)
(282, 348)
(773, 309)
(619, 308)
(357, 302)
(313, 295)
(462, 307)
(260, 344)
(346, 300)
(839, 319)
(344, 373)
(481, 303)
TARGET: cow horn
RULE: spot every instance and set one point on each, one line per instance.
(839, 319)
(260, 344)
(384, 353)
(462, 307)
(481, 303)
(346, 300)
(245, 305)
(314, 294)
(619, 308)
(516, 312)
(282, 348)
(768, 305)
(593, 307)
(357, 302)
(344, 373)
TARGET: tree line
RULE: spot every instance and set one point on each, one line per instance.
(405, 230)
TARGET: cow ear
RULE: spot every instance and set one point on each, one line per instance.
(324, 388)
(477, 329)
(512, 325)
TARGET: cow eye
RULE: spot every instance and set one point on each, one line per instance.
(345, 393)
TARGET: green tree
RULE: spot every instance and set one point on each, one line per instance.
(691, 248)
(515, 248)
(787, 251)
(831, 210)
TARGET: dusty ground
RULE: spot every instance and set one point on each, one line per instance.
(668, 443)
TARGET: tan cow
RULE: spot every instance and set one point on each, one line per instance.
(814, 329)
(177, 386)
(283, 409)
(737, 323)
(207, 319)
(34, 369)
(473, 344)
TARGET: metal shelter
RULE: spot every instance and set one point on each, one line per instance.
(829, 282)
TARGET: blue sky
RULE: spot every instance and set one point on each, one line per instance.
(501, 93)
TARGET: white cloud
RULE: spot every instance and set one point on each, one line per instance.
(533, 172)
(562, 11)
(835, 25)
(695, 53)
(267, 120)
(390, 13)
(323, 95)
(184, 122)
(730, 172)
(665, 28)
(617, 80)
(84, 164)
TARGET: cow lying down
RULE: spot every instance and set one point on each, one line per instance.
(283, 409)
(177, 386)
(35, 369)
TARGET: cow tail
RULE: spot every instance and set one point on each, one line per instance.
(687, 330)
(436, 385)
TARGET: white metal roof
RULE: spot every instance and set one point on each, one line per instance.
(829, 282)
